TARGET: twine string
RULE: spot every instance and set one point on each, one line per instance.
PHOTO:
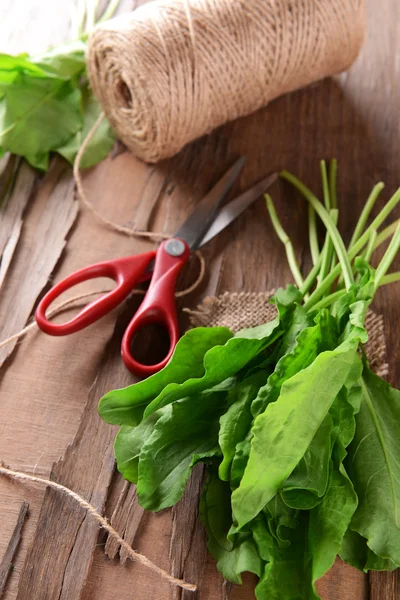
(91, 511)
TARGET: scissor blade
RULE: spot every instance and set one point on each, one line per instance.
(233, 209)
(196, 225)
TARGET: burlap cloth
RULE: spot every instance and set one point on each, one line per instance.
(248, 309)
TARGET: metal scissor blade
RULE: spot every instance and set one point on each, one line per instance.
(233, 209)
(196, 225)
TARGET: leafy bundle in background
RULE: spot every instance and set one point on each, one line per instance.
(46, 104)
(300, 438)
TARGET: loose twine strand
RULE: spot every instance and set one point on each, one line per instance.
(136, 556)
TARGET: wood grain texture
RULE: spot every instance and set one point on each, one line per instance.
(354, 117)
(60, 555)
(12, 548)
(11, 215)
(40, 254)
(384, 586)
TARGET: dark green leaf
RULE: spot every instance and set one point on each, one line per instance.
(233, 559)
(282, 434)
(186, 433)
(306, 485)
(100, 144)
(40, 115)
(236, 422)
(64, 62)
(329, 521)
(374, 467)
(126, 406)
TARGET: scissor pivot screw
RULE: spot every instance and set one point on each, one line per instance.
(174, 247)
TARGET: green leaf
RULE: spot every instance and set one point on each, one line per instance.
(64, 62)
(282, 434)
(11, 66)
(40, 115)
(356, 553)
(329, 521)
(215, 508)
(126, 406)
(374, 467)
(221, 363)
(300, 353)
(306, 485)
(129, 442)
(233, 559)
(236, 422)
(289, 574)
(185, 434)
(100, 144)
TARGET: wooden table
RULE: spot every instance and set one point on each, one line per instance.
(50, 387)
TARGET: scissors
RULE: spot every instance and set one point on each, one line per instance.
(161, 267)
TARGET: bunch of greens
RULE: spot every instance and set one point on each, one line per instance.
(46, 104)
(300, 438)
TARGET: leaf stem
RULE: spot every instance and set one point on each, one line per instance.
(282, 235)
(388, 257)
(372, 198)
(332, 229)
(327, 250)
(311, 277)
(332, 182)
(386, 233)
(371, 245)
(325, 185)
(328, 300)
(390, 278)
(359, 245)
(312, 234)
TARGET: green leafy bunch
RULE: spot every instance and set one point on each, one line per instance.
(46, 104)
(300, 438)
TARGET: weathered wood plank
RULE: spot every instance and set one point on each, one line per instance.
(40, 256)
(60, 555)
(11, 214)
(8, 558)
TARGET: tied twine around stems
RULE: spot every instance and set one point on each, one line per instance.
(90, 510)
(174, 70)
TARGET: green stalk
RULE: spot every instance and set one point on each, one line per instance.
(328, 300)
(325, 185)
(311, 277)
(327, 250)
(371, 246)
(386, 233)
(331, 228)
(312, 234)
(359, 245)
(376, 190)
(390, 278)
(388, 257)
(282, 235)
(332, 182)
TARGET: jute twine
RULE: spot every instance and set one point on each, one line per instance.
(173, 70)
(92, 512)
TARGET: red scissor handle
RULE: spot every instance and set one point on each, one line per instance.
(158, 306)
(127, 272)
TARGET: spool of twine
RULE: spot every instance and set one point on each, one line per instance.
(174, 70)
